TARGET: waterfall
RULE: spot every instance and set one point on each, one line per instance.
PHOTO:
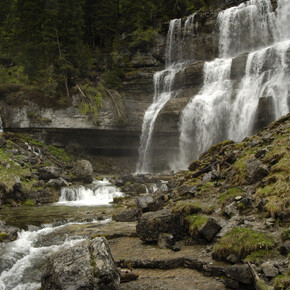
(205, 116)
(189, 26)
(246, 27)
(218, 113)
(96, 194)
(260, 82)
(163, 81)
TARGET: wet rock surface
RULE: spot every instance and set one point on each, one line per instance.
(164, 221)
(87, 265)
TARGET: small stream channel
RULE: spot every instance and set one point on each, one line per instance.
(47, 229)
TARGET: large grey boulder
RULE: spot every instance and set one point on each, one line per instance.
(151, 224)
(255, 171)
(83, 170)
(87, 265)
(144, 201)
(49, 172)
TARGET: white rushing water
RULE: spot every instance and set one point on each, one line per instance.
(96, 194)
(217, 112)
(163, 92)
(21, 261)
(206, 114)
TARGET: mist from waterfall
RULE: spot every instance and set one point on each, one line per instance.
(163, 92)
(217, 112)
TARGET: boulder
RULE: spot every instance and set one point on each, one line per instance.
(265, 113)
(285, 248)
(143, 60)
(165, 241)
(49, 172)
(255, 171)
(240, 273)
(151, 224)
(210, 229)
(83, 170)
(127, 215)
(7, 233)
(86, 265)
(18, 184)
(269, 270)
(57, 183)
(143, 202)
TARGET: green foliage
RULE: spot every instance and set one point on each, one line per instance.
(142, 38)
(14, 74)
(29, 202)
(59, 154)
(53, 44)
(241, 242)
(92, 100)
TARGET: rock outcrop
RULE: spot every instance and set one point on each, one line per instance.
(87, 265)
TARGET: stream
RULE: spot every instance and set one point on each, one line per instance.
(46, 229)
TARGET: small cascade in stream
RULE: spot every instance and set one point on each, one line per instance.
(21, 261)
(218, 112)
(163, 81)
(96, 194)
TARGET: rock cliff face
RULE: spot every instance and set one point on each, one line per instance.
(112, 134)
(118, 133)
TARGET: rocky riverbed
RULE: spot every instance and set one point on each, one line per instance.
(222, 223)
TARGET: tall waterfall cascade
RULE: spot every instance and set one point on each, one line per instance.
(220, 111)
(96, 194)
(163, 92)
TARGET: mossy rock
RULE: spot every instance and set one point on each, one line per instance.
(241, 242)
(187, 207)
(29, 202)
(195, 224)
(229, 195)
(3, 236)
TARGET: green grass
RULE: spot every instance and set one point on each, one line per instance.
(282, 282)
(8, 169)
(59, 154)
(230, 193)
(277, 189)
(257, 256)
(241, 242)
(187, 207)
